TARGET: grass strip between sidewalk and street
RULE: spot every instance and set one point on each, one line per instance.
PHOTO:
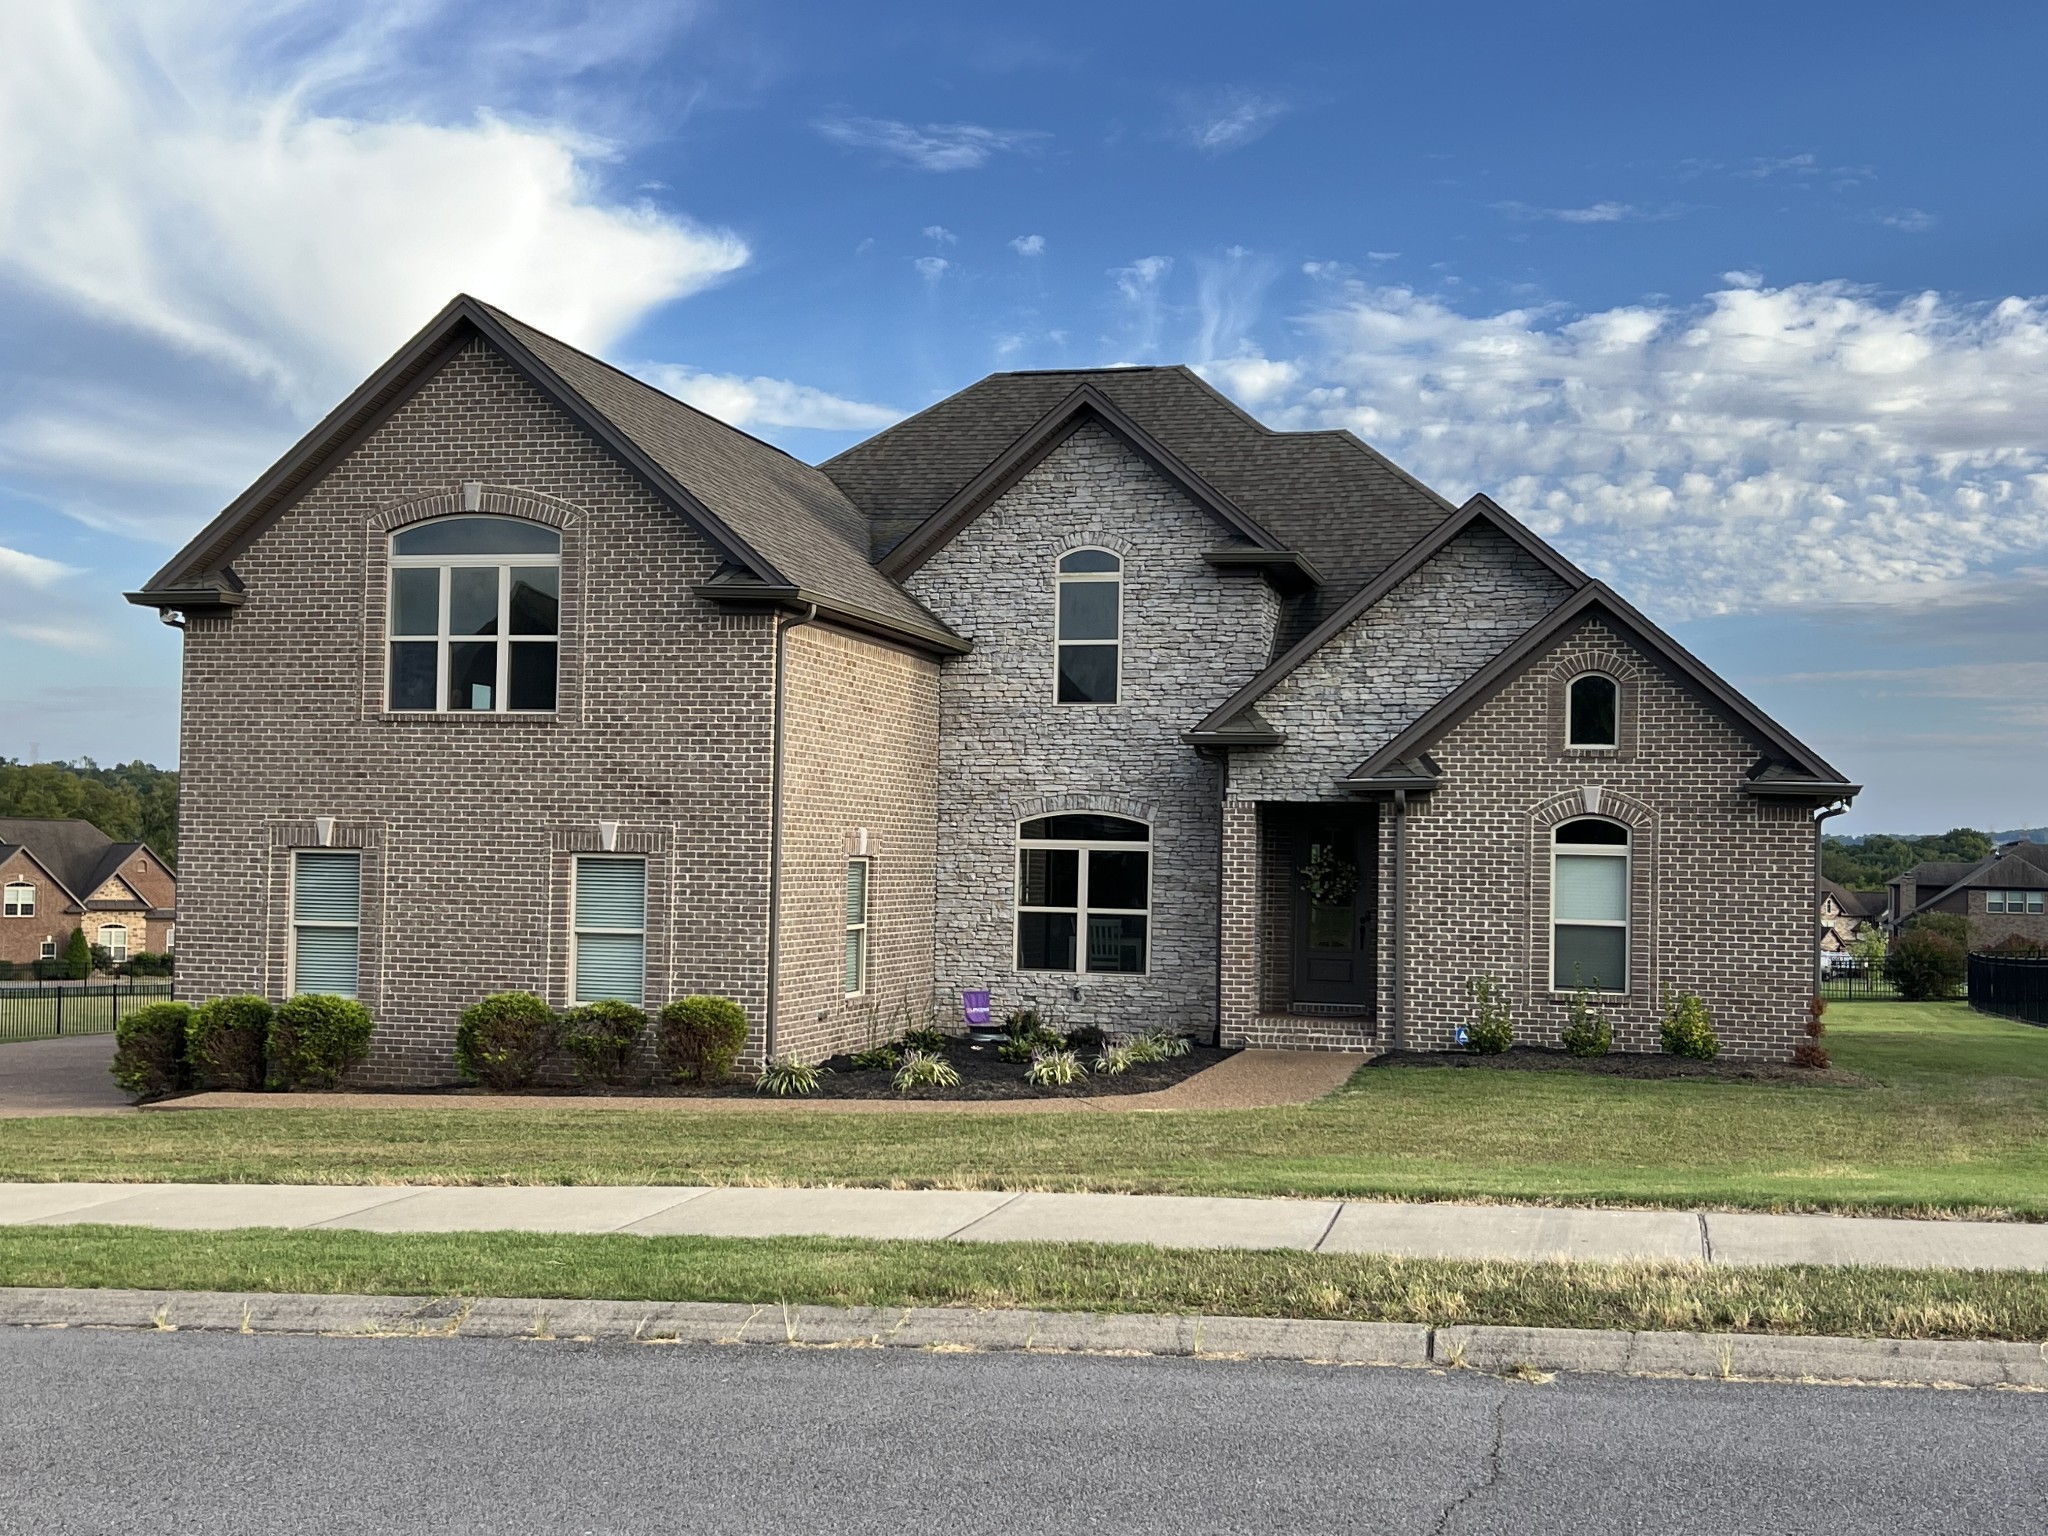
(1067, 1277)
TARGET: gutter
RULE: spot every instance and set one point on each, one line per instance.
(1818, 893)
(782, 629)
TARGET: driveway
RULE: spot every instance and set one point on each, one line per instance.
(59, 1077)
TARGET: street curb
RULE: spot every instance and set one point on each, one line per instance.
(1509, 1351)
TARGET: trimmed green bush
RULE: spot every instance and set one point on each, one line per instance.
(226, 1041)
(698, 1038)
(1689, 1028)
(1587, 1032)
(77, 955)
(1492, 1029)
(506, 1039)
(1926, 965)
(603, 1039)
(316, 1040)
(149, 1050)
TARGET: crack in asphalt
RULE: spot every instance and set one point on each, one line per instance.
(1490, 1472)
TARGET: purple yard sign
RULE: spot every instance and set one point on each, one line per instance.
(975, 1006)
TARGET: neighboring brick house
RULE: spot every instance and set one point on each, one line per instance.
(1083, 687)
(60, 874)
(2004, 896)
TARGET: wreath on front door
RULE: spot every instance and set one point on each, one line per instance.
(1330, 879)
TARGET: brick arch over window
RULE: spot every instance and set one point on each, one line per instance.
(1104, 804)
(473, 499)
(1645, 885)
(1592, 649)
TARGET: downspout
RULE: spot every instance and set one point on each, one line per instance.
(1817, 893)
(782, 629)
(1400, 989)
(1222, 862)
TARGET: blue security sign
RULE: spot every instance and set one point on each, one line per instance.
(1463, 1038)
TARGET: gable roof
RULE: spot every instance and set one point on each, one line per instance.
(1348, 510)
(1796, 772)
(787, 524)
(76, 854)
(1479, 511)
(1850, 903)
(2022, 867)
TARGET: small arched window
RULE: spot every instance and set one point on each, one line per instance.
(475, 615)
(1084, 894)
(1595, 711)
(21, 900)
(1091, 622)
(1589, 906)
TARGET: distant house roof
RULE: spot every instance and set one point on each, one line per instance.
(1856, 903)
(77, 854)
(2016, 867)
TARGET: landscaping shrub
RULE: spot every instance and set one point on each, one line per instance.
(1689, 1028)
(506, 1039)
(1054, 1069)
(791, 1078)
(1587, 1032)
(149, 1050)
(602, 1039)
(102, 959)
(876, 1058)
(1492, 1029)
(1952, 926)
(1926, 965)
(226, 1040)
(315, 1040)
(77, 956)
(1168, 1044)
(1023, 1023)
(1810, 1053)
(926, 1038)
(1144, 1050)
(144, 963)
(922, 1069)
(2013, 944)
(698, 1038)
(1085, 1037)
(6, 970)
(1115, 1060)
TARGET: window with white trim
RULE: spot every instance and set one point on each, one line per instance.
(20, 900)
(1594, 711)
(49, 948)
(856, 972)
(1084, 894)
(1589, 906)
(475, 616)
(327, 916)
(1090, 620)
(609, 938)
(2015, 902)
(114, 940)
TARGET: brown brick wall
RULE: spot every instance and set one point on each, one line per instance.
(860, 756)
(467, 823)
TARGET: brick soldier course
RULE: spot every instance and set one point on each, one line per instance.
(768, 671)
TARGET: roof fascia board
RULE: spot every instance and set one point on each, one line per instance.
(1044, 435)
(1489, 679)
(757, 594)
(1477, 509)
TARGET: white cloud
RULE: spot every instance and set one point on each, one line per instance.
(748, 403)
(36, 607)
(1595, 213)
(1029, 245)
(1912, 220)
(1139, 286)
(932, 268)
(32, 570)
(1764, 446)
(932, 147)
(1228, 119)
(941, 234)
(146, 182)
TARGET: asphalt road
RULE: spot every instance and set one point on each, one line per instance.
(118, 1432)
(68, 1076)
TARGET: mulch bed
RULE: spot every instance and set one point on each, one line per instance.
(1635, 1064)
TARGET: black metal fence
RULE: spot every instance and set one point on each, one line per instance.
(1857, 983)
(2011, 986)
(45, 1012)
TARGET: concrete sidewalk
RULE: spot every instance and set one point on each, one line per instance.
(995, 1216)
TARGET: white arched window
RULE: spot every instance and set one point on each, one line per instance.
(1091, 625)
(1589, 906)
(1084, 894)
(475, 615)
(1594, 713)
(21, 900)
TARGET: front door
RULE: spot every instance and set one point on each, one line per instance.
(1336, 880)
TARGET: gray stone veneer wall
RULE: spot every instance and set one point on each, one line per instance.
(1008, 752)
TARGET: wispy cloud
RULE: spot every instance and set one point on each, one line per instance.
(1592, 213)
(1912, 220)
(749, 403)
(31, 570)
(1227, 119)
(1138, 285)
(932, 146)
(932, 268)
(941, 234)
(1029, 245)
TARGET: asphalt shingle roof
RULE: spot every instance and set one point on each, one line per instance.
(76, 852)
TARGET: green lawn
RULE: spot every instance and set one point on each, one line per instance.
(26, 1015)
(1914, 1304)
(1952, 1116)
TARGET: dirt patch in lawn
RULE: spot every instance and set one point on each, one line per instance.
(1635, 1064)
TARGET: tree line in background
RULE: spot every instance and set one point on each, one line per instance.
(1868, 863)
(129, 802)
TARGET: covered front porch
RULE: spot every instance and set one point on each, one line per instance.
(1302, 897)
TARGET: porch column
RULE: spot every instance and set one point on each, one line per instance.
(1238, 946)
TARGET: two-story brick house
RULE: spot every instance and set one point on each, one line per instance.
(59, 873)
(1083, 687)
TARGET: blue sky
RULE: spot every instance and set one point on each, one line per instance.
(1743, 305)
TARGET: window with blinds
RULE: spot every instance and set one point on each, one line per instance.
(327, 912)
(610, 944)
(1589, 907)
(856, 977)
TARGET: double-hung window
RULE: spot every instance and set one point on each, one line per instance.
(610, 934)
(1589, 906)
(1084, 894)
(475, 616)
(114, 940)
(2015, 901)
(21, 900)
(327, 915)
(856, 973)
(1090, 619)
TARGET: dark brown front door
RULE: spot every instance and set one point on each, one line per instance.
(1335, 885)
